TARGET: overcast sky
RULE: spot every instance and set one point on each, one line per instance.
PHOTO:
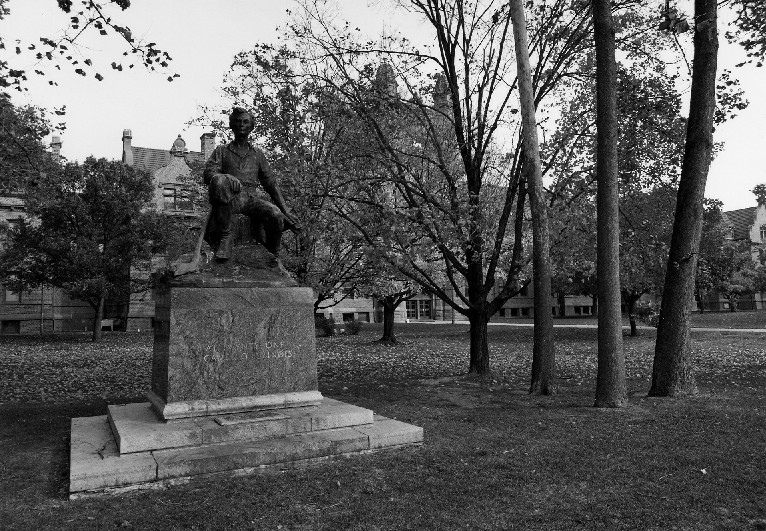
(203, 36)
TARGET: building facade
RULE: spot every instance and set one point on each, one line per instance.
(49, 309)
(744, 225)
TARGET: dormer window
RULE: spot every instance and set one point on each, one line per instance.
(177, 198)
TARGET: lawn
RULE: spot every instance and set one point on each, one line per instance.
(494, 457)
(731, 320)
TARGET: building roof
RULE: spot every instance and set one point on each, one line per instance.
(740, 222)
(151, 159)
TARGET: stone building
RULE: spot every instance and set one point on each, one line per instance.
(745, 225)
(49, 309)
(173, 194)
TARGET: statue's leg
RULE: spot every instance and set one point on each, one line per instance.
(224, 205)
(269, 219)
(257, 230)
(223, 214)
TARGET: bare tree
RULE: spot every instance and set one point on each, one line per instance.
(438, 125)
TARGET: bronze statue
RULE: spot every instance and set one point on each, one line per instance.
(232, 175)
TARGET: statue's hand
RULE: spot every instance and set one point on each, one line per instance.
(224, 181)
(234, 184)
(292, 223)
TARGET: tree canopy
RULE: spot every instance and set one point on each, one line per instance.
(87, 226)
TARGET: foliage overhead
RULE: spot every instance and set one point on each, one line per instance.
(86, 17)
(750, 29)
(22, 153)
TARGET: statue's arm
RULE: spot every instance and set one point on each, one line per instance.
(213, 166)
(221, 186)
(270, 183)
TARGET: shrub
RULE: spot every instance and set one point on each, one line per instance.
(648, 313)
(353, 327)
(325, 326)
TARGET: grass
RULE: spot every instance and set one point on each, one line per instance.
(494, 457)
(727, 319)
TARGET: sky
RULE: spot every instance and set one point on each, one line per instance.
(203, 36)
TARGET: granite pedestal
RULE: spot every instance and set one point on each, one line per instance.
(230, 346)
(234, 391)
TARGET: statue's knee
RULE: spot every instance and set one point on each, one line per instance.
(277, 219)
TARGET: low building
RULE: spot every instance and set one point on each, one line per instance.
(745, 225)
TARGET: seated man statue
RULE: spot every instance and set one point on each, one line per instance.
(232, 175)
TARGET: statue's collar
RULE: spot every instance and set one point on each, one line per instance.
(234, 148)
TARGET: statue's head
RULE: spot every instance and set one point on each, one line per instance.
(241, 121)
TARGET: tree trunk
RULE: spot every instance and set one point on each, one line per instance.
(631, 300)
(672, 374)
(543, 351)
(562, 302)
(97, 334)
(479, 363)
(388, 321)
(700, 301)
(610, 380)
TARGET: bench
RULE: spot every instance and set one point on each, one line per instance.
(109, 323)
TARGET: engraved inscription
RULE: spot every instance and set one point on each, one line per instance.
(270, 350)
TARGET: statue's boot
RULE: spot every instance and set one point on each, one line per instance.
(223, 252)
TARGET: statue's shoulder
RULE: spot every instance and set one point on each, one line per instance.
(258, 151)
(218, 151)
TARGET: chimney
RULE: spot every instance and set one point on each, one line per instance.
(127, 149)
(207, 141)
(56, 148)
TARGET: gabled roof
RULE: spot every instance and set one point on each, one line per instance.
(740, 222)
(151, 159)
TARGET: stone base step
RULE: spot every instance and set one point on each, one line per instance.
(136, 427)
(97, 466)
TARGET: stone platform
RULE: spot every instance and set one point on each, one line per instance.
(132, 447)
(233, 390)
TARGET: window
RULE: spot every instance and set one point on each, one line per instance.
(364, 317)
(502, 312)
(12, 296)
(420, 309)
(514, 312)
(763, 233)
(525, 312)
(348, 317)
(412, 309)
(176, 198)
(578, 310)
(553, 310)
